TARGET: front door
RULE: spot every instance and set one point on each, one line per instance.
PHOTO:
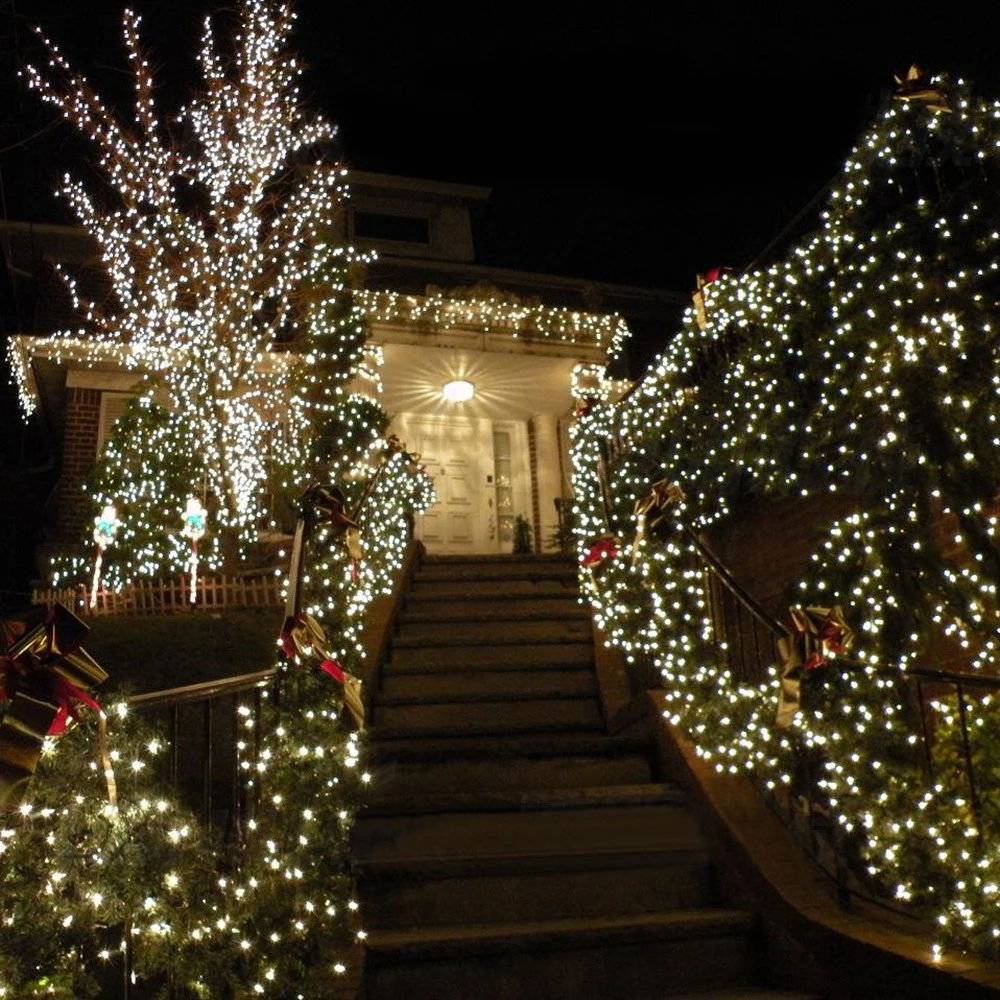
(455, 452)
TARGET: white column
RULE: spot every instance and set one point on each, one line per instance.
(545, 427)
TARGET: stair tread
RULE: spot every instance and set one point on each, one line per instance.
(625, 827)
(424, 594)
(506, 633)
(532, 862)
(578, 930)
(485, 685)
(490, 717)
(745, 993)
(498, 609)
(435, 572)
(547, 798)
(520, 745)
(468, 657)
(514, 774)
(515, 589)
(531, 558)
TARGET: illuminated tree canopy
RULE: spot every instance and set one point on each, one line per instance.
(215, 231)
(864, 364)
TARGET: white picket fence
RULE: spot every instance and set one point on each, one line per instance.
(151, 597)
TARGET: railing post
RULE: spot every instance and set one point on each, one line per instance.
(236, 760)
(922, 704)
(175, 732)
(258, 702)
(966, 749)
(207, 764)
(127, 961)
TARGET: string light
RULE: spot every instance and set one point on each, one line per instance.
(489, 309)
(203, 297)
(858, 375)
(215, 251)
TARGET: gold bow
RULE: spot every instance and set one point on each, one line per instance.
(653, 511)
(916, 86)
(303, 638)
(816, 635)
(45, 674)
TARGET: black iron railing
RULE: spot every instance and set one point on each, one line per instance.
(216, 718)
(750, 635)
(213, 728)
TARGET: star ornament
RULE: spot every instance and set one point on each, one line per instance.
(918, 86)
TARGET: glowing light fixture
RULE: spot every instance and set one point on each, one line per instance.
(458, 390)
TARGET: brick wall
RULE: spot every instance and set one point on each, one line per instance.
(768, 544)
(83, 411)
(767, 548)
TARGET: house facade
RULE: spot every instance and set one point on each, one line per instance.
(480, 369)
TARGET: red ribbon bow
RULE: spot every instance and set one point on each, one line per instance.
(603, 548)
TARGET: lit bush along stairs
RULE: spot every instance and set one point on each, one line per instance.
(511, 848)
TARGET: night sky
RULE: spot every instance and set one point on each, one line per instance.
(631, 143)
(635, 143)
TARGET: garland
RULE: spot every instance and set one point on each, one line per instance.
(864, 364)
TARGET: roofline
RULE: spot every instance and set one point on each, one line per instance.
(451, 189)
(551, 280)
(478, 271)
(56, 228)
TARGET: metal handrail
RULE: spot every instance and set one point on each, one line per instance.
(779, 631)
(916, 676)
(722, 572)
(205, 691)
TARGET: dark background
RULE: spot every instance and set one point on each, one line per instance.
(636, 143)
(631, 142)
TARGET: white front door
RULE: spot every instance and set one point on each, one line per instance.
(457, 453)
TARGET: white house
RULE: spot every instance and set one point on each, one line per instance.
(478, 368)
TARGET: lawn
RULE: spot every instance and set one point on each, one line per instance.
(152, 652)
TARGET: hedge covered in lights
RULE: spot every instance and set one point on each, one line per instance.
(77, 875)
(866, 362)
(204, 286)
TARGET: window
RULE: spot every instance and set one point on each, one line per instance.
(112, 407)
(398, 228)
(504, 486)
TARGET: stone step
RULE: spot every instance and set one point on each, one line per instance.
(512, 589)
(532, 558)
(485, 685)
(505, 570)
(491, 633)
(489, 718)
(556, 832)
(468, 775)
(530, 656)
(600, 885)
(749, 993)
(498, 749)
(614, 958)
(499, 608)
(442, 800)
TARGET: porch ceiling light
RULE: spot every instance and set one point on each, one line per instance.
(459, 390)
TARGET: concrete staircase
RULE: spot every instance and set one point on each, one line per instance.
(512, 849)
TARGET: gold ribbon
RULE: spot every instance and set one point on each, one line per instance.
(321, 506)
(653, 511)
(816, 635)
(702, 281)
(104, 756)
(46, 673)
(303, 638)
(916, 86)
(412, 458)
